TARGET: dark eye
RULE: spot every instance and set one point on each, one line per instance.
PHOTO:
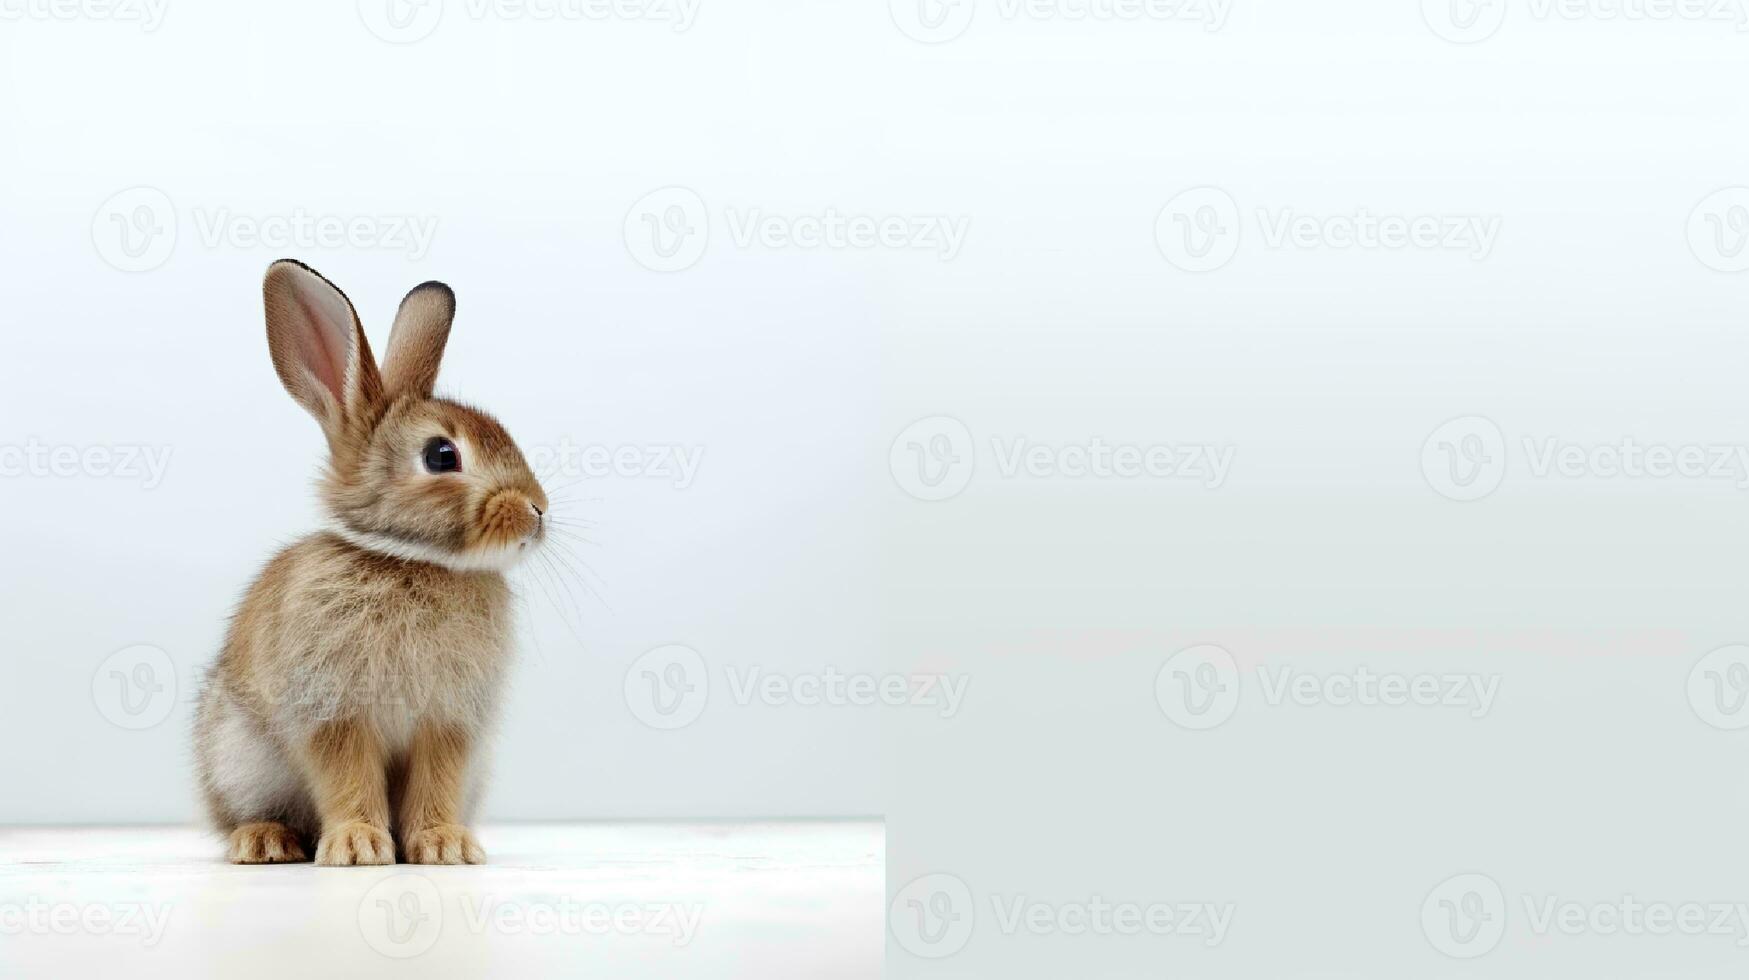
(441, 457)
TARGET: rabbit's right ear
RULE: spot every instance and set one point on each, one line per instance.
(319, 348)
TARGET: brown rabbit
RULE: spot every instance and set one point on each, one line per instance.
(362, 671)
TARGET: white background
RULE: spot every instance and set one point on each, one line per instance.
(1589, 599)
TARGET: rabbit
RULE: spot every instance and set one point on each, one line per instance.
(362, 671)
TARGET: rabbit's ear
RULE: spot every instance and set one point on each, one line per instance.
(319, 348)
(416, 343)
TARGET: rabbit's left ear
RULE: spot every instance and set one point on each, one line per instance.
(417, 340)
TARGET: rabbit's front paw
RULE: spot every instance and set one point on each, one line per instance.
(446, 843)
(355, 843)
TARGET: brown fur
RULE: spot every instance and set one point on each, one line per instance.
(430, 819)
(269, 842)
(364, 663)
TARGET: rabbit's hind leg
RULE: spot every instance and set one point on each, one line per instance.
(265, 842)
(253, 790)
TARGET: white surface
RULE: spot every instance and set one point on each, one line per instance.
(690, 900)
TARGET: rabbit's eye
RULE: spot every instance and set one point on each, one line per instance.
(441, 456)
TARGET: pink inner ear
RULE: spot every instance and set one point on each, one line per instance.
(327, 343)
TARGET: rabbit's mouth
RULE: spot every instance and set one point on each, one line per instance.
(514, 527)
(508, 519)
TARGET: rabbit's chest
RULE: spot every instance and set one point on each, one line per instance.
(397, 653)
(440, 664)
